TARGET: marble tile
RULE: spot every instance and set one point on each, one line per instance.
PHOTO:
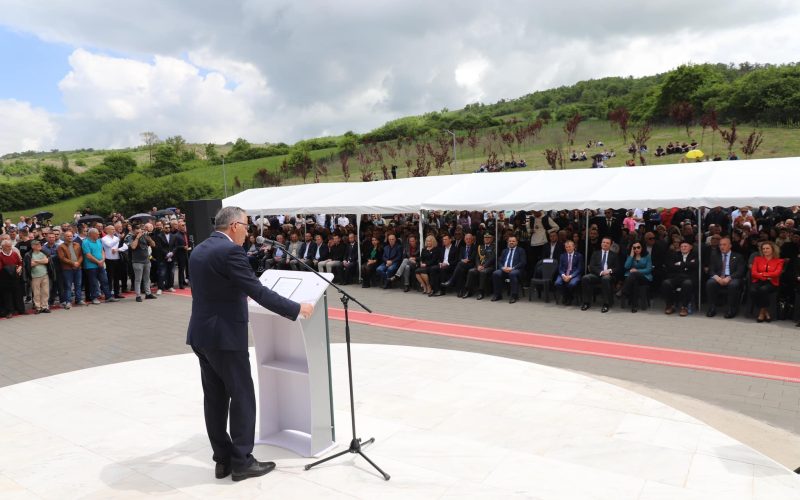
(554, 479)
(448, 424)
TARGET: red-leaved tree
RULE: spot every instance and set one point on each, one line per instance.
(620, 118)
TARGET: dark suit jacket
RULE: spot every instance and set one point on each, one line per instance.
(737, 264)
(351, 252)
(596, 262)
(336, 252)
(222, 279)
(312, 250)
(323, 252)
(452, 256)
(517, 263)
(557, 251)
(577, 264)
(472, 256)
(676, 266)
(614, 231)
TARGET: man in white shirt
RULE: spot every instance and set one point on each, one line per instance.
(114, 265)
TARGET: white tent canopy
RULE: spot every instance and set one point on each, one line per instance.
(772, 182)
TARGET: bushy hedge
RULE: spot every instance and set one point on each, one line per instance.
(138, 193)
(58, 183)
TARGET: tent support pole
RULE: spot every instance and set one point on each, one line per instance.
(699, 260)
(261, 222)
(358, 242)
(586, 246)
(421, 242)
(496, 239)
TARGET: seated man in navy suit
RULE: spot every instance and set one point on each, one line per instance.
(390, 260)
(222, 279)
(727, 272)
(570, 270)
(512, 265)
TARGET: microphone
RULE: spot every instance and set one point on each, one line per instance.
(274, 243)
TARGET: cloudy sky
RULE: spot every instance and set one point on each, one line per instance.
(92, 73)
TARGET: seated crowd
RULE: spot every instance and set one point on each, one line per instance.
(57, 266)
(633, 256)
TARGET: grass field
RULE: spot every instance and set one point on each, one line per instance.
(778, 142)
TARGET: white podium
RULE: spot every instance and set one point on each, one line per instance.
(293, 359)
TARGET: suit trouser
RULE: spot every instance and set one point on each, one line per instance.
(116, 274)
(607, 285)
(228, 388)
(497, 280)
(183, 268)
(439, 275)
(734, 293)
(460, 275)
(670, 285)
(568, 287)
(482, 277)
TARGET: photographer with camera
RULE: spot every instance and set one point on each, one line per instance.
(141, 244)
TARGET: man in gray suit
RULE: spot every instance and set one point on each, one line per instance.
(222, 279)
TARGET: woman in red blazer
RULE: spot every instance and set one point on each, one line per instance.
(766, 275)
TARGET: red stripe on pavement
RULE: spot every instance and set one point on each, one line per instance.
(752, 367)
(720, 363)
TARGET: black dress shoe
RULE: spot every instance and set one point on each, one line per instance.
(512, 300)
(584, 307)
(466, 295)
(406, 288)
(460, 294)
(480, 297)
(730, 314)
(604, 309)
(496, 298)
(439, 293)
(711, 313)
(633, 309)
(222, 471)
(256, 469)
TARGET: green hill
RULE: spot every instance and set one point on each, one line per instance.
(762, 97)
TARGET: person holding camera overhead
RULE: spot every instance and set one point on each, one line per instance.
(140, 244)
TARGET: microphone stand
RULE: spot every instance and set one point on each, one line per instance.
(355, 444)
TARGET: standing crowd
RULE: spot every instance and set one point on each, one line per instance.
(91, 260)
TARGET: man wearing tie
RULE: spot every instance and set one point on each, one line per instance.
(570, 270)
(512, 264)
(465, 263)
(602, 270)
(222, 279)
(727, 270)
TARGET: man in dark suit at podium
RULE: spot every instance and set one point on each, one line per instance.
(222, 279)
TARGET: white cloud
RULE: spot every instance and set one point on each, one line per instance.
(23, 127)
(284, 70)
(115, 99)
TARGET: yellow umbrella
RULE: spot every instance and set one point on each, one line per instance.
(695, 153)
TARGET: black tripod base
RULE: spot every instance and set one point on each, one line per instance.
(355, 447)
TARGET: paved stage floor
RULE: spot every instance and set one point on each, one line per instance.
(448, 424)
